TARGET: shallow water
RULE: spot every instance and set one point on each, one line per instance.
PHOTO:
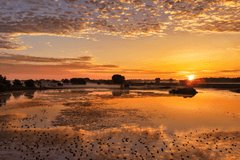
(156, 125)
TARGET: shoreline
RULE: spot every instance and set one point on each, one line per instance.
(143, 87)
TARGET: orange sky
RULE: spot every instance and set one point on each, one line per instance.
(139, 39)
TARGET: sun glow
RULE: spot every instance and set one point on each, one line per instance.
(191, 77)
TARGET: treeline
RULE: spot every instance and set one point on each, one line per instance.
(75, 81)
(221, 79)
(116, 79)
(7, 85)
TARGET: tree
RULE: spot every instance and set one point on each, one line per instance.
(4, 83)
(60, 84)
(29, 83)
(17, 83)
(66, 81)
(118, 79)
(157, 80)
(78, 81)
(2, 79)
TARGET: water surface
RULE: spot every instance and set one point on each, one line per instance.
(155, 124)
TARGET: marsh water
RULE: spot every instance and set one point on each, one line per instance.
(135, 124)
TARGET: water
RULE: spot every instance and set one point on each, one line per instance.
(208, 109)
(104, 113)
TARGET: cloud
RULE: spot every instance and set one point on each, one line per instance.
(13, 64)
(9, 42)
(20, 66)
(125, 18)
(19, 58)
(49, 44)
(133, 71)
(230, 70)
(211, 16)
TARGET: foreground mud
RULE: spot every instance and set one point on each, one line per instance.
(129, 142)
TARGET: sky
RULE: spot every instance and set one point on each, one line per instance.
(140, 39)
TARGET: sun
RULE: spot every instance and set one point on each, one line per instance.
(191, 77)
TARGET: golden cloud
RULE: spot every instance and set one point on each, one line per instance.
(125, 18)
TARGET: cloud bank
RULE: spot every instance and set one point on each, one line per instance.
(24, 66)
(21, 65)
(14, 64)
(125, 18)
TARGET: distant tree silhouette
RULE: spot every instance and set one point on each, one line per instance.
(4, 83)
(2, 78)
(221, 79)
(17, 83)
(157, 80)
(59, 84)
(78, 81)
(118, 79)
(29, 83)
(54, 81)
(66, 81)
(126, 86)
(87, 79)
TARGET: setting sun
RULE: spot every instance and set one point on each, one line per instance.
(191, 77)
